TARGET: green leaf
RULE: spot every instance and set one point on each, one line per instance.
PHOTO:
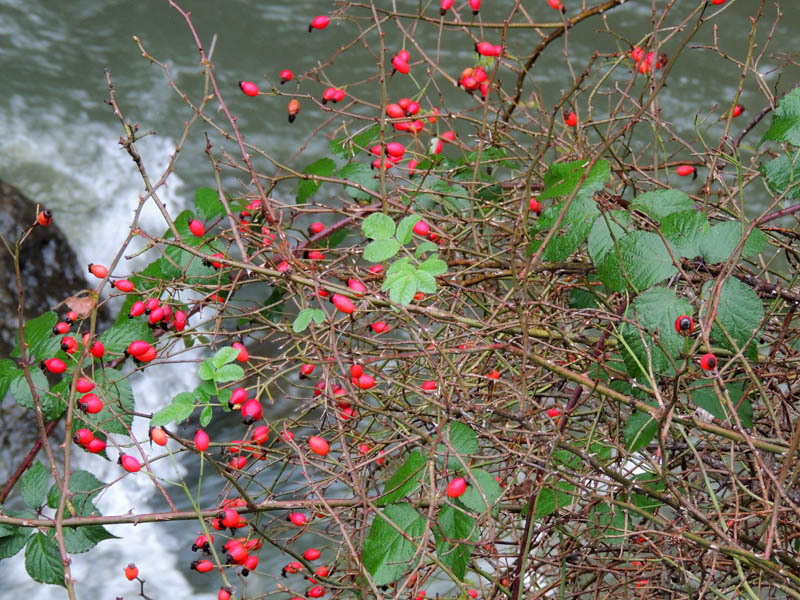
(646, 259)
(380, 250)
(452, 526)
(785, 126)
(83, 539)
(425, 282)
(640, 429)
(33, 485)
(405, 480)
(43, 560)
(481, 481)
(386, 552)
(433, 265)
(561, 178)
(720, 241)
(206, 415)
(552, 497)
(207, 204)
(685, 231)
(703, 396)
(783, 175)
(600, 237)
(119, 337)
(349, 147)
(661, 203)
(181, 408)
(360, 175)
(302, 320)
(452, 196)
(402, 287)
(740, 311)
(405, 229)
(324, 167)
(11, 544)
(8, 372)
(424, 247)
(22, 392)
(610, 523)
(318, 315)
(40, 341)
(228, 373)
(577, 223)
(653, 482)
(378, 226)
(462, 438)
(655, 310)
(206, 370)
(84, 487)
(223, 356)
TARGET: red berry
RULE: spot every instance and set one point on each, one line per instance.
(293, 108)
(98, 271)
(123, 285)
(97, 349)
(363, 382)
(316, 227)
(493, 374)
(534, 206)
(201, 440)
(486, 49)
(202, 566)
(137, 309)
(147, 356)
(318, 591)
(180, 320)
(45, 217)
(286, 75)
(312, 554)
(570, 118)
(61, 327)
(322, 571)
(306, 370)
(297, 518)
(158, 436)
(400, 65)
(137, 348)
(249, 88)
(129, 463)
(422, 228)
(473, 593)
(343, 303)
(229, 518)
(261, 434)
(251, 411)
(556, 4)
(457, 487)
(250, 564)
(318, 445)
(708, 362)
(358, 287)
(224, 593)
(96, 445)
(131, 572)
(356, 370)
(379, 326)
(68, 344)
(717, 1)
(82, 437)
(243, 355)
(553, 412)
(685, 170)
(395, 111)
(475, 5)
(71, 317)
(428, 386)
(90, 404)
(319, 22)
(238, 397)
(445, 6)
(55, 365)
(197, 228)
(684, 325)
(738, 110)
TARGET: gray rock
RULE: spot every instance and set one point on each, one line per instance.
(49, 267)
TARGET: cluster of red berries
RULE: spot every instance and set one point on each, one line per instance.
(400, 62)
(473, 78)
(647, 63)
(332, 94)
(159, 315)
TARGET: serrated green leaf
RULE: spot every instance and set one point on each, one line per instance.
(610, 273)
(402, 287)
(481, 481)
(206, 415)
(453, 526)
(552, 497)
(207, 204)
(84, 487)
(577, 223)
(40, 341)
(43, 560)
(703, 396)
(324, 167)
(378, 226)
(740, 311)
(360, 175)
(302, 320)
(561, 178)
(640, 429)
(180, 409)
(349, 147)
(425, 282)
(646, 259)
(610, 523)
(119, 337)
(405, 229)
(425, 247)
(22, 392)
(785, 126)
(405, 480)
(433, 265)
(452, 196)
(318, 315)
(386, 552)
(8, 372)
(83, 539)
(685, 231)
(11, 544)
(228, 373)
(206, 370)
(33, 485)
(223, 356)
(650, 481)
(399, 267)
(463, 440)
(601, 240)
(655, 310)
(721, 240)
(660, 203)
(380, 250)
(783, 175)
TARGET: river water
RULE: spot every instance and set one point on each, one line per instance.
(58, 144)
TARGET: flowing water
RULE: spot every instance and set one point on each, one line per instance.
(58, 144)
